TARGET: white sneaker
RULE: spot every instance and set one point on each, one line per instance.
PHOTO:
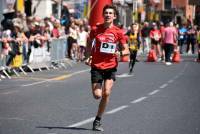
(159, 59)
(168, 63)
(2, 76)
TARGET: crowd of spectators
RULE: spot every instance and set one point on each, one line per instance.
(19, 33)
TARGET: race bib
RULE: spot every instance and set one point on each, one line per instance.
(108, 47)
(156, 37)
(133, 47)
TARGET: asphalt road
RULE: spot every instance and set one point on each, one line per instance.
(157, 99)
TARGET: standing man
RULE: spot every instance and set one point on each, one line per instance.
(146, 42)
(169, 39)
(103, 60)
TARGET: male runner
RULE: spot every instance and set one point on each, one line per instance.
(104, 59)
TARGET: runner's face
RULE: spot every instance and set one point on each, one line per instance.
(109, 15)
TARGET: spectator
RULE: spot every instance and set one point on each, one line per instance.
(198, 42)
(82, 43)
(169, 39)
(182, 36)
(65, 15)
(72, 41)
(55, 32)
(18, 38)
(191, 39)
(155, 36)
(145, 31)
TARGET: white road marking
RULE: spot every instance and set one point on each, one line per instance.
(154, 92)
(170, 81)
(36, 83)
(44, 81)
(14, 118)
(139, 100)
(10, 92)
(78, 124)
(117, 109)
(124, 75)
(163, 86)
(82, 122)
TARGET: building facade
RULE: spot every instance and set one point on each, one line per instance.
(179, 11)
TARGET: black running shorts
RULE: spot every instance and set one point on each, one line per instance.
(98, 76)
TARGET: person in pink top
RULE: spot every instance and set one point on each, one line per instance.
(169, 40)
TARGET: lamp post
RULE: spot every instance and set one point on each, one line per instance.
(135, 4)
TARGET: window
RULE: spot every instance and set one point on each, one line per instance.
(145, 1)
(168, 4)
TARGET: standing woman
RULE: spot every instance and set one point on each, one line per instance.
(155, 36)
(104, 59)
(134, 44)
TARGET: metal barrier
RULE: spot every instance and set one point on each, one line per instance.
(40, 57)
(58, 51)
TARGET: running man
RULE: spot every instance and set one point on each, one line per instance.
(104, 59)
(134, 44)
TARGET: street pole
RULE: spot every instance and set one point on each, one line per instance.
(134, 9)
(60, 5)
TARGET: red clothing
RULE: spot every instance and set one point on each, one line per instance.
(105, 44)
(55, 33)
(155, 34)
(170, 34)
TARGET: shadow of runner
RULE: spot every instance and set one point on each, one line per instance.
(71, 128)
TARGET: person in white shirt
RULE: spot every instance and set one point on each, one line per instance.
(82, 43)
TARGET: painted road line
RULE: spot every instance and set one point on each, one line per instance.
(14, 118)
(154, 92)
(163, 86)
(36, 83)
(62, 77)
(117, 109)
(124, 75)
(170, 81)
(56, 78)
(10, 92)
(139, 100)
(78, 124)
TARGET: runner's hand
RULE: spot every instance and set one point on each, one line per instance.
(89, 61)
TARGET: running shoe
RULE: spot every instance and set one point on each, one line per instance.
(97, 126)
(168, 63)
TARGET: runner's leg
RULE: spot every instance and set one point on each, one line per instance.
(108, 84)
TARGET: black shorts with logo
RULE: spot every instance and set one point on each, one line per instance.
(98, 75)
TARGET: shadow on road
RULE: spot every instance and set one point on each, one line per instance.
(71, 128)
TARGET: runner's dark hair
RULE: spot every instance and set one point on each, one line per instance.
(110, 7)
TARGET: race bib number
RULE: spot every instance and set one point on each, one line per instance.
(108, 47)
